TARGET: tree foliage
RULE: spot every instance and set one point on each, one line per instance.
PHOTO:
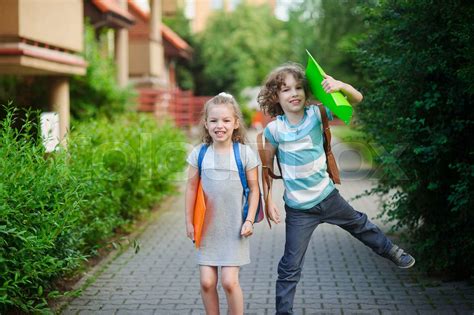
(329, 29)
(417, 60)
(239, 48)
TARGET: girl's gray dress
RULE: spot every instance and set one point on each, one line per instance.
(221, 243)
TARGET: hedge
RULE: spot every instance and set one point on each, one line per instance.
(417, 60)
(57, 209)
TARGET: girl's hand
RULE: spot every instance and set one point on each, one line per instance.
(247, 229)
(273, 212)
(331, 85)
(190, 231)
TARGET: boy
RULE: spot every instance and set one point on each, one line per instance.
(310, 195)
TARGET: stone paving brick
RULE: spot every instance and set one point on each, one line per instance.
(360, 312)
(91, 307)
(431, 312)
(138, 312)
(309, 311)
(340, 275)
(364, 306)
(102, 312)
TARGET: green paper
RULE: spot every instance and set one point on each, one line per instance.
(336, 102)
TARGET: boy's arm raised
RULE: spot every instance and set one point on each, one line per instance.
(331, 85)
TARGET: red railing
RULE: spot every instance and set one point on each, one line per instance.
(182, 106)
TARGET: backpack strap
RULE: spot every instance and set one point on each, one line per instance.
(326, 130)
(243, 180)
(202, 152)
(332, 169)
(240, 167)
(261, 153)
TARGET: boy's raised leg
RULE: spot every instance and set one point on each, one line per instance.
(339, 212)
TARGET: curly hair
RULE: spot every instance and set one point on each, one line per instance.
(268, 96)
(226, 99)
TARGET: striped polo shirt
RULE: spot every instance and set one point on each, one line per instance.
(302, 158)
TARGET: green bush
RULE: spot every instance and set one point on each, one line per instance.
(127, 163)
(57, 209)
(417, 60)
(37, 211)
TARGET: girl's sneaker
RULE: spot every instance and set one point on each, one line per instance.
(399, 257)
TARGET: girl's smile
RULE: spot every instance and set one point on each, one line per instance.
(221, 123)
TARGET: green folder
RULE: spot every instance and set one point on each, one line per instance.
(336, 102)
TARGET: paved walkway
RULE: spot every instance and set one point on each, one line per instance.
(341, 275)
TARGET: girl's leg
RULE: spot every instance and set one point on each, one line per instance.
(233, 292)
(209, 289)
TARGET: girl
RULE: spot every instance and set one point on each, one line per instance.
(224, 240)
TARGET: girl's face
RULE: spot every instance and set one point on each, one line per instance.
(221, 123)
(291, 95)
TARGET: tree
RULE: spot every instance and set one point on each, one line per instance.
(329, 29)
(417, 60)
(238, 49)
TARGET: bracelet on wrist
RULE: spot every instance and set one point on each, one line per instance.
(251, 222)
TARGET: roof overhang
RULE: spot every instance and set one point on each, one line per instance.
(27, 59)
(108, 13)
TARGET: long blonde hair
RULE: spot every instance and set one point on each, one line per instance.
(238, 134)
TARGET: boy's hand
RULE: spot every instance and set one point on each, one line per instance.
(247, 229)
(190, 231)
(331, 85)
(273, 212)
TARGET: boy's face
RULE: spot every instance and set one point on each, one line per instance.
(291, 95)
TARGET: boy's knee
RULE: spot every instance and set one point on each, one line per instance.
(208, 284)
(288, 270)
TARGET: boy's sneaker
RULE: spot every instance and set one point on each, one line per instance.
(399, 257)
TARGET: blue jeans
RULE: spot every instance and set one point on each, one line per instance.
(300, 225)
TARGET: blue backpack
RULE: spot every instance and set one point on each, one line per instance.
(243, 180)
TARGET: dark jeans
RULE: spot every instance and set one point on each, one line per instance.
(300, 225)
